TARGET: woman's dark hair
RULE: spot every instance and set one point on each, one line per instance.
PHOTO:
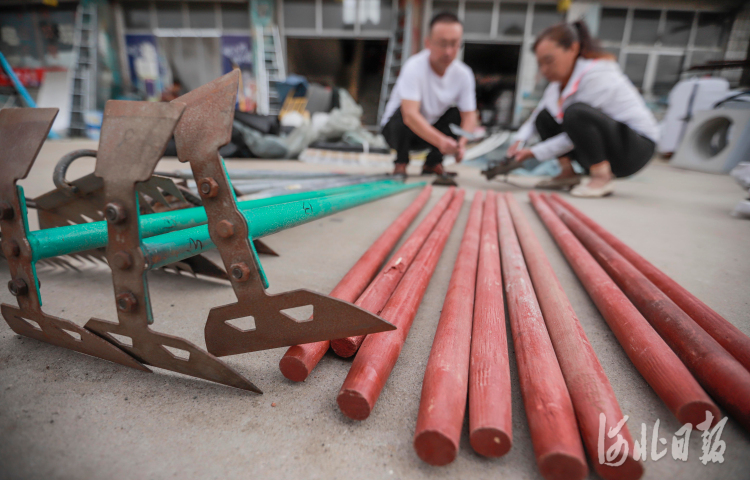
(565, 34)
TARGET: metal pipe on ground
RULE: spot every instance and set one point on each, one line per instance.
(246, 174)
(382, 287)
(549, 409)
(53, 242)
(378, 355)
(257, 189)
(173, 247)
(723, 377)
(300, 360)
(443, 402)
(490, 413)
(729, 336)
(305, 187)
(651, 356)
(588, 385)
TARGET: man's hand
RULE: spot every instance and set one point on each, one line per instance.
(461, 149)
(522, 155)
(448, 146)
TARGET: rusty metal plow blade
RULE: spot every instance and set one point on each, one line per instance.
(134, 136)
(205, 127)
(22, 133)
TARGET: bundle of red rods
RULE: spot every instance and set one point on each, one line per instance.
(678, 344)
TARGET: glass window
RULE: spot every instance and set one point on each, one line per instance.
(612, 24)
(702, 58)
(169, 15)
(712, 29)
(137, 15)
(512, 19)
(635, 68)
(668, 69)
(544, 16)
(202, 15)
(677, 29)
(645, 27)
(478, 17)
(299, 14)
(442, 6)
(376, 15)
(614, 51)
(235, 16)
(339, 15)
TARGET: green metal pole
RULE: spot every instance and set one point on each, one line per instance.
(53, 242)
(172, 247)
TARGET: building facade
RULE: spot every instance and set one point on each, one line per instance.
(344, 43)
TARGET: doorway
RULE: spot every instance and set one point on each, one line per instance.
(495, 67)
(355, 65)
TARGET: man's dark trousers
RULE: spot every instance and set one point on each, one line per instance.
(402, 139)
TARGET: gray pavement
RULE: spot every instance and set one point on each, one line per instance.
(66, 415)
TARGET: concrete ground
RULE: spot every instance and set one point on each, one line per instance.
(66, 415)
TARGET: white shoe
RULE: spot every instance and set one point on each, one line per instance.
(585, 191)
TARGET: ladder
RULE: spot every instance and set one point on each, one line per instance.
(83, 84)
(399, 49)
(270, 60)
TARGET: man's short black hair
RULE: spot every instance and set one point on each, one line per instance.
(444, 17)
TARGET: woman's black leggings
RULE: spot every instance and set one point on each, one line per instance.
(597, 137)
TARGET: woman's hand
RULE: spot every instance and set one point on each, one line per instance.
(513, 149)
(523, 154)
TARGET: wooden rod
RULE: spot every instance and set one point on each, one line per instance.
(300, 360)
(652, 357)
(446, 378)
(587, 383)
(490, 413)
(549, 410)
(378, 354)
(382, 287)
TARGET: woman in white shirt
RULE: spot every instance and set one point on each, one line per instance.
(590, 113)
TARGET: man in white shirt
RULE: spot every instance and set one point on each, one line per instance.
(433, 91)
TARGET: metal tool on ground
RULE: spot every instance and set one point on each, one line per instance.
(502, 167)
(729, 336)
(662, 369)
(460, 132)
(378, 355)
(81, 201)
(22, 133)
(443, 402)
(300, 360)
(74, 239)
(490, 406)
(549, 409)
(578, 361)
(133, 139)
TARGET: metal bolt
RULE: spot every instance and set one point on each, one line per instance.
(208, 187)
(126, 302)
(12, 249)
(240, 271)
(6, 211)
(18, 287)
(122, 260)
(225, 229)
(115, 213)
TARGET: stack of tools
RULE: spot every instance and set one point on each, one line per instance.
(133, 139)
